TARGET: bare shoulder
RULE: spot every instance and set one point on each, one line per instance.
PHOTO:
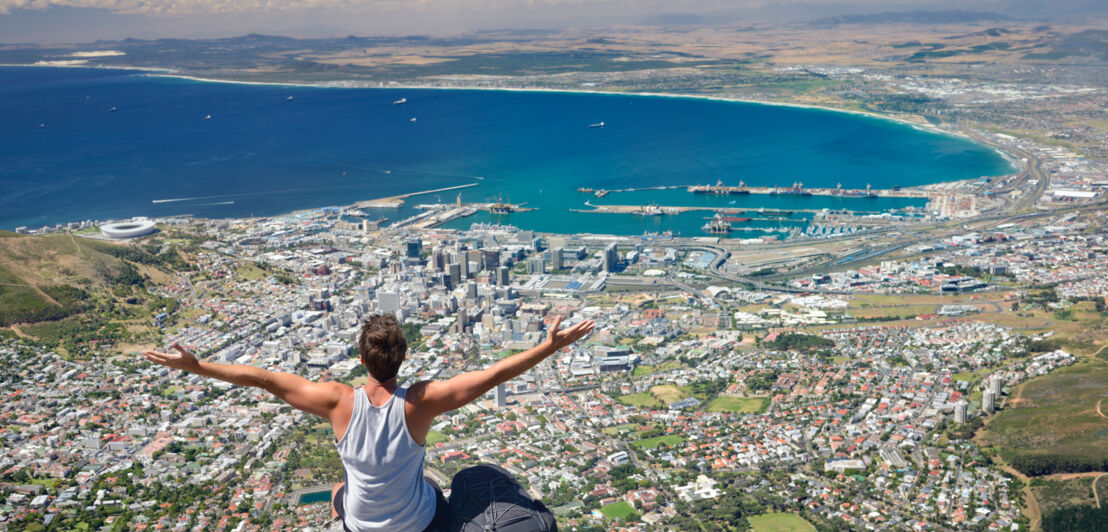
(418, 391)
(336, 391)
(339, 388)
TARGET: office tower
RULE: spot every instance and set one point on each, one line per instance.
(492, 259)
(501, 395)
(556, 259)
(611, 257)
(454, 271)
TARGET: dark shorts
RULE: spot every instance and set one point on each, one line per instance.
(440, 523)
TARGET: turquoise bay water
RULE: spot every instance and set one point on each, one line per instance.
(261, 153)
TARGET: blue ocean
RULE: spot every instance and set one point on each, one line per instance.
(106, 144)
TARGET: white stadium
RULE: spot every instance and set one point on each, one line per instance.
(131, 229)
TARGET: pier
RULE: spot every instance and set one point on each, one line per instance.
(797, 189)
(394, 202)
(636, 209)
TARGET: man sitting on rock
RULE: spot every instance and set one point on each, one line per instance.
(381, 428)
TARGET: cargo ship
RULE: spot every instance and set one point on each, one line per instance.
(717, 226)
(500, 207)
(796, 190)
(720, 189)
(586, 190)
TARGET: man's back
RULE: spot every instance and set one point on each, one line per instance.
(384, 485)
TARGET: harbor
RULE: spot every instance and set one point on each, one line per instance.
(798, 189)
(639, 209)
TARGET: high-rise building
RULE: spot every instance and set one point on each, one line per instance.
(454, 272)
(463, 321)
(438, 259)
(471, 290)
(502, 276)
(995, 382)
(960, 411)
(536, 244)
(556, 259)
(463, 263)
(611, 257)
(536, 265)
(988, 401)
(414, 249)
(476, 259)
(492, 259)
(501, 395)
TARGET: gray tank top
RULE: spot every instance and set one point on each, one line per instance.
(385, 488)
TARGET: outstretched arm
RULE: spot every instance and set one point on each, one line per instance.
(319, 398)
(434, 398)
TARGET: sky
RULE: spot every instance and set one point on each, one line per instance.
(78, 21)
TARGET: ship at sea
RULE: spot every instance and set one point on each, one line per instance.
(400, 101)
(796, 190)
(719, 189)
(586, 190)
(598, 124)
(600, 193)
(717, 226)
(650, 210)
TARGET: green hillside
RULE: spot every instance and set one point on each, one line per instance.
(72, 292)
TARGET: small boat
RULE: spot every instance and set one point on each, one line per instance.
(208, 117)
(598, 124)
(42, 124)
(289, 99)
(412, 119)
(400, 101)
(113, 109)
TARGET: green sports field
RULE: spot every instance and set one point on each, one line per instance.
(779, 522)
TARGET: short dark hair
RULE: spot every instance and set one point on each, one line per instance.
(382, 346)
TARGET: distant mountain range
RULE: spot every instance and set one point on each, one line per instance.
(951, 16)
